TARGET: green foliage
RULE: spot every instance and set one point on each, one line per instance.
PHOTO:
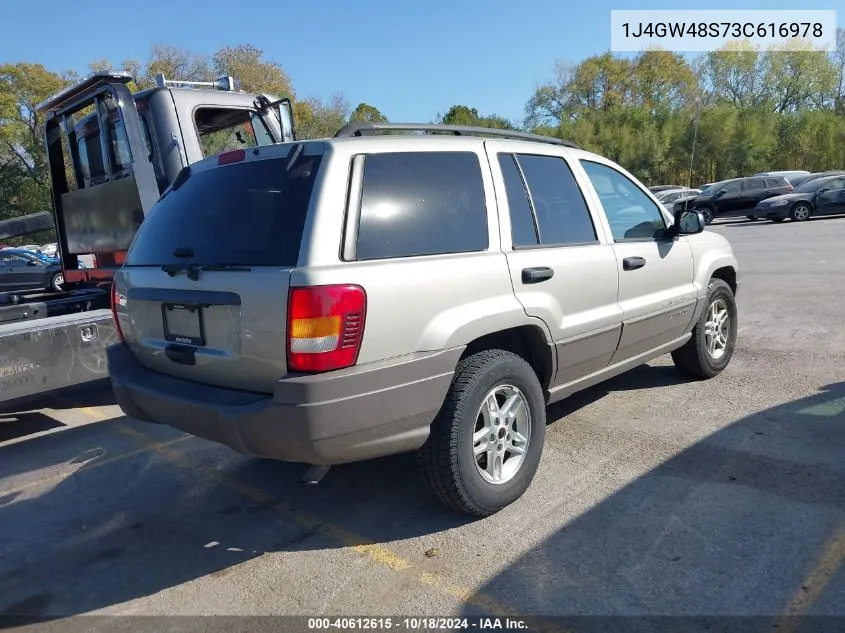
(368, 113)
(464, 115)
(782, 108)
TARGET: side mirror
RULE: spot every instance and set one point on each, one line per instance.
(32, 262)
(719, 193)
(823, 190)
(286, 120)
(687, 222)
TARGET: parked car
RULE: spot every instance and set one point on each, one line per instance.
(283, 337)
(21, 269)
(822, 196)
(52, 250)
(789, 175)
(735, 197)
(659, 188)
(803, 180)
(670, 196)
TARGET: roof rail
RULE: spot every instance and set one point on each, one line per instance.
(101, 77)
(225, 83)
(363, 128)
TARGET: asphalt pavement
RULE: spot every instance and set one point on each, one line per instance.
(656, 495)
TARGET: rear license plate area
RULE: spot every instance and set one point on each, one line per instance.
(183, 323)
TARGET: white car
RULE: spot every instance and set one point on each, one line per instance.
(50, 249)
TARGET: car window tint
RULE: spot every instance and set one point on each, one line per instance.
(250, 213)
(559, 206)
(421, 203)
(523, 229)
(630, 212)
(730, 187)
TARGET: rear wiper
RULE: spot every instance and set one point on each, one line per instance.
(193, 270)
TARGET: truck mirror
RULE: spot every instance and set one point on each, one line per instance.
(285, 113)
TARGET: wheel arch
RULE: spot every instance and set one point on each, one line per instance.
(530, 342)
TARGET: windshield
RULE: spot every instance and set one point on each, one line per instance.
(813, 185)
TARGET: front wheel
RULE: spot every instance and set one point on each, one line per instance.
(707, 213)
(485, 444)
(711, 346)
(56, 282)
(800, 212)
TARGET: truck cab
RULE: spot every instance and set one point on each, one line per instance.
(113, 153)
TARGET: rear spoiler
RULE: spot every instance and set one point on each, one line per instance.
(26, 224)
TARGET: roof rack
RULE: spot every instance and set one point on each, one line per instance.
(225, 83)
(363, 128)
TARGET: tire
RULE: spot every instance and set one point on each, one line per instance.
(707, 213)
(448, 461)
(56, 282)
(800, 212)
(694, 359)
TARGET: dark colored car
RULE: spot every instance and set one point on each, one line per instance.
(803, 180)
(821, 196)
(21, 269)
(738, 196)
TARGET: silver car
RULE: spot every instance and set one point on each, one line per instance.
(370, 294)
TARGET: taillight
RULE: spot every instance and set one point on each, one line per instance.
(325, 327)
(232, 156)
(114, 301)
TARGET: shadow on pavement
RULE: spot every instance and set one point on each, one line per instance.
(740, 523)
(17, 425)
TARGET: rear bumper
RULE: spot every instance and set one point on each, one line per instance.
(342, 416)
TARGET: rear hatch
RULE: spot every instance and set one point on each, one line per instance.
(203, 294)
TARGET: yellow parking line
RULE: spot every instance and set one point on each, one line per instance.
(814, 584)
(365, 547)
(97, 463)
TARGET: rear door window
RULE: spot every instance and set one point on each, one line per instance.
(250, 213)
(559, 209)
(421, 203)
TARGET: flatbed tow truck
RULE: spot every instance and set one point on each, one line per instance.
(112, 154)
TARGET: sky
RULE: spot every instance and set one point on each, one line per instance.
(411, 59)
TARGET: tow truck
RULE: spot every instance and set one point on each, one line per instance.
(112, 153)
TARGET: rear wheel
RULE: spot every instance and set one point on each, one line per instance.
(707, 213)
(56, 282)
(800, 212)
(711, 346)
(485, 444)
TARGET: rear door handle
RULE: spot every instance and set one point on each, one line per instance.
(537, 274)
(632, 263)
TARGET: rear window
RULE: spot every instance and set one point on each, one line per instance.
(249, 213)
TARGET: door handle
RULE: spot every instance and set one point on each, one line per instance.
(632, 263)
(536, 274)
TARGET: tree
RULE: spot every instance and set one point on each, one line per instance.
(464, 115)
(838, 61)
(368, 113)
(246, 63)
(799, 77)
(316, 118)
(735, 73)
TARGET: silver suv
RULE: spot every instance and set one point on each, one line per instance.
(370, 294)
